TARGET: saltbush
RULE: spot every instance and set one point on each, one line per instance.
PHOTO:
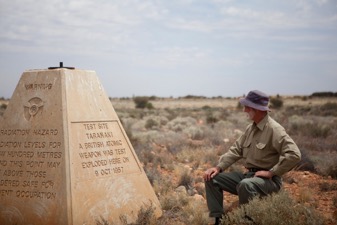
(151, 123)
(276, 209)
(180, 123)
(3, 106)
(276, 103)
(332, 168)
(194, 132)
(143, 102)
(185, 179)
(329, 109)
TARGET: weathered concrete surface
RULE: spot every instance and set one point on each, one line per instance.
(64, 155)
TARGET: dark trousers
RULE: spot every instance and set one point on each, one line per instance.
(246, 186)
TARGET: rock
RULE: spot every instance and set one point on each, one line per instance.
(200, 187)
(192, 191)
(198, 197)
(181, 189)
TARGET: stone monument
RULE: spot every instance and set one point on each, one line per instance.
(65, 158)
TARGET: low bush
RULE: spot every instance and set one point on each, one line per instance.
(329, 109)
(332, 169)
(327, 165)
(276, 209)
(173, 202)
(3, 106)
(151, 123)
(301, 126)
(146, 216)
(276, 103)
(143, 102)
(325, 186)
(306, 163)
(185, 179)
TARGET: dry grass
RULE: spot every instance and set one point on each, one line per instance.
(276, 209)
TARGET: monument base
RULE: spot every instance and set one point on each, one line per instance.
(65, 157)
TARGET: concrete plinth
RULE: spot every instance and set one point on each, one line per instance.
(65, 158)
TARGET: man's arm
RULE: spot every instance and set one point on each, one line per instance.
(290, 154)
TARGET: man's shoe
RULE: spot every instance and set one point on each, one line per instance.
(217, 221)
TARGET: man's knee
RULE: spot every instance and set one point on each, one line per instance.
(246, 188)
(244, 185)
(211, 184)
(245, 191)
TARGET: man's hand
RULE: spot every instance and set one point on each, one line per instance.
(264, 174)
(210, 173)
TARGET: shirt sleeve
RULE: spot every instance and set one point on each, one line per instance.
(290, 154)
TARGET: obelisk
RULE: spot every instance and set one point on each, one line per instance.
(65, 158)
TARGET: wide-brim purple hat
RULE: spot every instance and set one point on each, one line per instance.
(257, 100)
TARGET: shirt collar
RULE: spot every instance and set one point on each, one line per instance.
(263, 122)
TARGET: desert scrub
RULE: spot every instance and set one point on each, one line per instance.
(163, 159)
(145, 216)
(211, 118)
(306, 163)
(184, 209)
(334, 202)
(198, 155)
(184, 178)
(196, 213)
(326, 164)
(168, 140)
(174, 202)
(329, 109)
(162, 184)
(142, 102)
(180, 123)
(151, 124)
(239, 120)
(305, 195)
(331, 169)
(316, 130)
(220, 133)
(315, 127)
(326, 186)
(102, 221)
(194, 132)
(155, 122)
(276, 209)
(189, 154)
(3, 106)
(276, 103)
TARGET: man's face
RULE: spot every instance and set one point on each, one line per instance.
(250, 112)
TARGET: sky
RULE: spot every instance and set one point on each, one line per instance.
(174, 48)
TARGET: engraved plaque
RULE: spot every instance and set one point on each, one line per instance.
(100, 151)
(64, 156)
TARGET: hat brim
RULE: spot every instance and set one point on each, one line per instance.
(248, 103)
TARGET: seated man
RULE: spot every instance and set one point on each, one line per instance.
(267, 152)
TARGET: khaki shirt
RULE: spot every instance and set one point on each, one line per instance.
(266, 146)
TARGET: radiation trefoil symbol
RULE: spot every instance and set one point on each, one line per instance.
(33, 107)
